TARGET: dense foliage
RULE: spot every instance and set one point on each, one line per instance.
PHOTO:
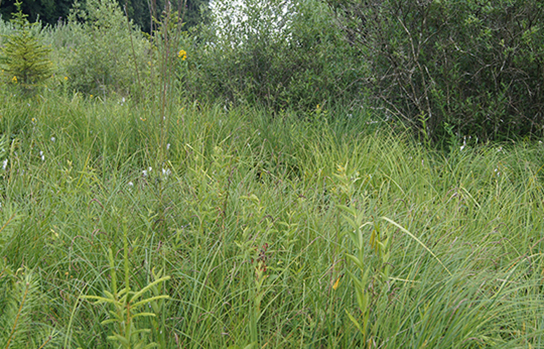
(105, 52)
(282, 55)
(454, 68)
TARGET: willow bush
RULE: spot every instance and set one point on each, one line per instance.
(282, 55)
(453, 68)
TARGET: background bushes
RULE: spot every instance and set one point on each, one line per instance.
(449, 69)
(99, 56)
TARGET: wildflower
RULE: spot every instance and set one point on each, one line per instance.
(53, 139)
(168, 146)
(4, 164)
(42, 156)
(65, 78)
(146, 172)
(336, 284)
(14, 80)
(166, 172)
(182, 54)
(130, 184)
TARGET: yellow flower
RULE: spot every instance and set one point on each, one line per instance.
(14, 80)
(65, 78)
(336, 284)
(182, 54)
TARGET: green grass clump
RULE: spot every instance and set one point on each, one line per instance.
(239, 232)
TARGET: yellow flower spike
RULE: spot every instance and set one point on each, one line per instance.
(182, 54)
(14, 80)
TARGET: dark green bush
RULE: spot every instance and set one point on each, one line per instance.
(454, 67)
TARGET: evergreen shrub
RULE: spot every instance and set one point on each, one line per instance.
(23, 58)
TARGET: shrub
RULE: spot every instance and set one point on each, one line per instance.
(103, 60)
(283, 55)
(463, 67)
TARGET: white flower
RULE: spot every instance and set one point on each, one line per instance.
(146, 172)
(53, 139)
(168, 146)
(4, 164)
(42, 156)
(166, 172)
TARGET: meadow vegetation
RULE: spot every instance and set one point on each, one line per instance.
(137, 211)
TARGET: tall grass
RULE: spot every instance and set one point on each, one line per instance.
(243, 213)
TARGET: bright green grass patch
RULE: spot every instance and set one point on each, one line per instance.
(245, 216)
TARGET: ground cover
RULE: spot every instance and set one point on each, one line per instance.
(239, 229)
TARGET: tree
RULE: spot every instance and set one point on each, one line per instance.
(53, 11)
(48, 11)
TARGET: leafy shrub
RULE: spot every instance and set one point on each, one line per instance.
(459, 67)
(102, 59)
(275, 53)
